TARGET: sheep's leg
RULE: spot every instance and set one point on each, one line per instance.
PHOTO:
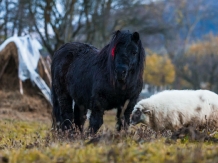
(79, 116)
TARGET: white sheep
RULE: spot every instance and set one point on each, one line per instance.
(173, 109)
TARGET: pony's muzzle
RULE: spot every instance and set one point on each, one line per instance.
(121, 73)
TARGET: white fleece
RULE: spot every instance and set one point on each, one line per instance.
(172, 109)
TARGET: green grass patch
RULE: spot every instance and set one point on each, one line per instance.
(25, 142)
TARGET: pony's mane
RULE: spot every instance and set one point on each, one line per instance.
(106, 55)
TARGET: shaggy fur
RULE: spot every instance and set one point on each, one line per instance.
(177, 108)
(97, 80)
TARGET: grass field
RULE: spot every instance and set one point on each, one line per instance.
(32, 141)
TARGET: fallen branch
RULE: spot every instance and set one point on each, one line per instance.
(46, 70)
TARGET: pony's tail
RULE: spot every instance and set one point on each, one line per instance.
(56, 115)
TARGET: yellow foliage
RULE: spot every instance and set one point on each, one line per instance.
(197, 65)
(159, 70)
(208, 47)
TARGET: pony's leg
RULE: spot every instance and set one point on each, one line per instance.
(127, 114)
(66, 111)
(119, 121)
(96, 120)
(122, 114)
(79, 116)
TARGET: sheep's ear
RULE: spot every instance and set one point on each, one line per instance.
(149, 112)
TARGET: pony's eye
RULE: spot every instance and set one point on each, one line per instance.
(134, 53)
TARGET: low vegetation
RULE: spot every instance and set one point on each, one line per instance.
(32, 141)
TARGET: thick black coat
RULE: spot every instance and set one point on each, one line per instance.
(86, 78)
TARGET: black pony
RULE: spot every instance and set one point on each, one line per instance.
(85, 78)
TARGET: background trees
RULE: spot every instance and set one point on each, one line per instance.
(199, 65)
(171, 28)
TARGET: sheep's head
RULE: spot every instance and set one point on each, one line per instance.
(140, 115)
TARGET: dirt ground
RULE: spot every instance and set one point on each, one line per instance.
(13, 105)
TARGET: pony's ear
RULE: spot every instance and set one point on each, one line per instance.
(117, 32)
(135, 37)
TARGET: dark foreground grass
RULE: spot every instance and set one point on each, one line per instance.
(22, 142)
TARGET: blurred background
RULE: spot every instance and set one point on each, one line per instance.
(180, 36)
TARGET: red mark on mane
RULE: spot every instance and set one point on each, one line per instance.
(113, 52)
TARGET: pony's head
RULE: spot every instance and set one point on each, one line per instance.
(127, 55)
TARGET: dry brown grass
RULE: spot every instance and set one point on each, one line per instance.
(32, 141)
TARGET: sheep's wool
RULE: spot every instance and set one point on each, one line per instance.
(172, 109)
